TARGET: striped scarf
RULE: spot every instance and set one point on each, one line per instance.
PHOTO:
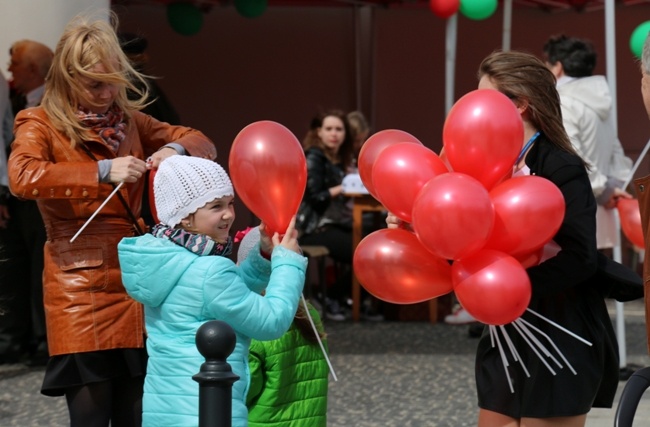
(199, 244)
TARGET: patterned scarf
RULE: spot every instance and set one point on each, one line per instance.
(199, 244)
(109, 126)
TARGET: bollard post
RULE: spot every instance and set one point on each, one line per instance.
(215, 340)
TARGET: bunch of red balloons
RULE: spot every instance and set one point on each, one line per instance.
(475, 227)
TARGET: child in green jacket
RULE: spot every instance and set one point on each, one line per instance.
(289, 375)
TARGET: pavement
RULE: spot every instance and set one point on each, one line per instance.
(390, 374)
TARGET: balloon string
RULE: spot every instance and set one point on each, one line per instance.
(320, 343)
(117, 187)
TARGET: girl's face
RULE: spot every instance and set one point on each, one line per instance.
(97, 96)
(214, 219)
(332, 132)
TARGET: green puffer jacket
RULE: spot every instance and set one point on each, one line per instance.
(289, 379)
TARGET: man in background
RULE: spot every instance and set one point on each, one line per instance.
(586, 112)
(22, 325)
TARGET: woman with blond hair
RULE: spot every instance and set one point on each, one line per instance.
(70, 154)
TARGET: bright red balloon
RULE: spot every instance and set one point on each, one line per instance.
(492, 286)
(269, 172)
(400, 172)
(453, 215)
(528, 212)
(444, 8)
(375, 145)
(483, 135)
(628, 211)
(393, 265)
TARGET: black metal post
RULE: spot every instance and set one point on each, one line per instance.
(215, 340)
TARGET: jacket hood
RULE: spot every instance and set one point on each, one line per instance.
(151, 267)
(593, 91)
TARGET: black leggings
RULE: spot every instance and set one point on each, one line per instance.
(118, 401)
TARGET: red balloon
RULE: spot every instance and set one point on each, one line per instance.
(269, 172)
(400, 172)
(628, 211)
(444, 8)
(453, 215)
(393, 266)
(483, 135)
(375, 145)
(528, 212)
(492, 286)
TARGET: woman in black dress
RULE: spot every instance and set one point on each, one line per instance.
(565, 287)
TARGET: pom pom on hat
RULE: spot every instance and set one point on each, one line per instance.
(184, 184)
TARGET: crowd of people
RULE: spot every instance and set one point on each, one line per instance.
(113, 301)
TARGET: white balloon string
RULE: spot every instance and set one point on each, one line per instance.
(117, 187)
(566, 361)
(539, 344)
(532, 346)
(504, 359)
(320, 343)
(515, 353)
(560, 327)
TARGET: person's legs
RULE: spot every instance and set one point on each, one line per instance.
(127, 401)
(494, 419)
(577, 421)
(90, 405)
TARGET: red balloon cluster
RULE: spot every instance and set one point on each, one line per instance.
(468, 214)
(269, 172)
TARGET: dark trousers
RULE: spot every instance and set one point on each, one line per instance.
(22, 324)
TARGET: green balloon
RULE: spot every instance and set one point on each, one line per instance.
(184, 17)
(250, 8)
(638, 38)
(477, 9)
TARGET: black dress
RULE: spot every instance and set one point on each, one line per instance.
(566, 291)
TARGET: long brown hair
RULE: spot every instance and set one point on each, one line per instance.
(523, 77)
(83, 45)
(345, 152)
(304, 325)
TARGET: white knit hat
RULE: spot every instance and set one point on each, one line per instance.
(184, 184)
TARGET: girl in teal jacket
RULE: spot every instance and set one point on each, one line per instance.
(181, 274)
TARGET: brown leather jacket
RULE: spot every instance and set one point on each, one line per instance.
(86, 306)
(642, 186)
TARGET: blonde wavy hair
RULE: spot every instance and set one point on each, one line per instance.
(84, 44)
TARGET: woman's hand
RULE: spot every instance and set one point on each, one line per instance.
(290, 238)
(126, 169)
(154, 160)
(617, 194)
(393, 221)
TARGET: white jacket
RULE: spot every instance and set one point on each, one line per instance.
(586, 112)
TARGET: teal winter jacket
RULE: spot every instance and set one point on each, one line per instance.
(289, 381)
(180, 291)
